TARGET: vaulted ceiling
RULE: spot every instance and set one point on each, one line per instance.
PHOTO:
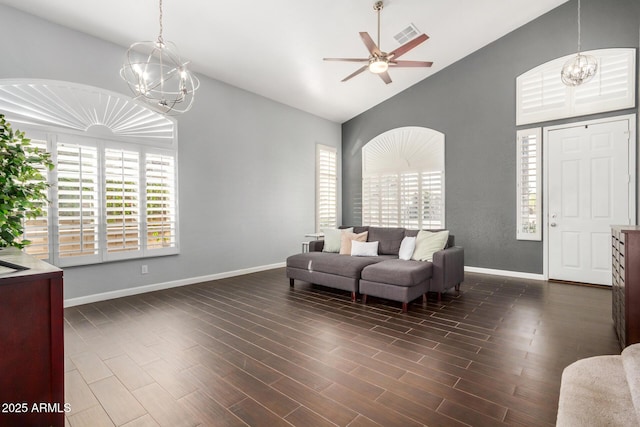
(275, 48)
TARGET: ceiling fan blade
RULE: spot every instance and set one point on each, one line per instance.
(370, 44)
(355, 73)
(408, 46)
(410, 63)
(385, 77)
(347, 59)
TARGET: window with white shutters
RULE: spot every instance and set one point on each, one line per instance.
(403, 179)
(541, 95)
(326, 187)
(113, 192)
(529, 208)
(108, 203)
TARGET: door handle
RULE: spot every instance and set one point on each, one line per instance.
(553, 224)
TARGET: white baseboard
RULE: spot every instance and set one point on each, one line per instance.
(507, 273)
(71, 302)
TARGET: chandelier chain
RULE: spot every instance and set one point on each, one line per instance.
(579, 32)
(160, 40)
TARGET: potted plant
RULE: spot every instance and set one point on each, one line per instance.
(23, 188)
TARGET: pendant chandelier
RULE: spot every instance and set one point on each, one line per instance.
(581, 68)
(157, 76)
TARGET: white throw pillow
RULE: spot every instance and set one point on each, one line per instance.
(407, 246)
(364, 248)
(332, 238)
(428, 242)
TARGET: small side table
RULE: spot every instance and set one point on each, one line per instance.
(316, 236)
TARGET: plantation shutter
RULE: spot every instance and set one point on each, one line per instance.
(326, 187)
(122, 193)
(529, 209)
(371, 200)
(390, 197)
(611, 86)
(410, 200)
(78, 202)
(432, 184)
(161, 202)
(541, 95)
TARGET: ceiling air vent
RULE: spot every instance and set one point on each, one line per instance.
(407, 34)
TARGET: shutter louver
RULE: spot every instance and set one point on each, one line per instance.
(78, 201)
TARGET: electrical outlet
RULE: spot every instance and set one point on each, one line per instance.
(144, 269)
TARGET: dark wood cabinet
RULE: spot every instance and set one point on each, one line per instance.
(32, 341)
(625, 269)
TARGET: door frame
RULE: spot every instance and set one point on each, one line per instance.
(634, 196)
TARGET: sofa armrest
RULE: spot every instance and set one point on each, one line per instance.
(448, 269)
(316, 245)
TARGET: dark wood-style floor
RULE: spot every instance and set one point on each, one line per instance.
(252, 351)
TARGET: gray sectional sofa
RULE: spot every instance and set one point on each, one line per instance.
(384, 276)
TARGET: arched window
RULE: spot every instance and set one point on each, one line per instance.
(114, 188)
(403, 179)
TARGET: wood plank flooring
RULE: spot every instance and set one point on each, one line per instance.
(250, 350)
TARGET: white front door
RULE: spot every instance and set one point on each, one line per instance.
(588, 191)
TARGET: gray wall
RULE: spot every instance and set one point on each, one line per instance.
(473, 103)
(246, 163)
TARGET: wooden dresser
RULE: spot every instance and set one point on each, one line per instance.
(625, 271)
(32, 341)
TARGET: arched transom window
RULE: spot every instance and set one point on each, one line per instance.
(403, 179)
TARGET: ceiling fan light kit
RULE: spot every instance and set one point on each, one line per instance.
(378, 65)
(581, 68)
(157, 76)
(378, 61)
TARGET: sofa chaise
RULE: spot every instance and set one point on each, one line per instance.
(385, 275)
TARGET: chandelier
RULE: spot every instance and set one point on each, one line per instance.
(156, 75)
(581, 68)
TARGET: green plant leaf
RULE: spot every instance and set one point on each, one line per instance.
(23, 189)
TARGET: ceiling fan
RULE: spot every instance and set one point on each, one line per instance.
(378, 61)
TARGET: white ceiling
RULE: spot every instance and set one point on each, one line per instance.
(275, 47)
